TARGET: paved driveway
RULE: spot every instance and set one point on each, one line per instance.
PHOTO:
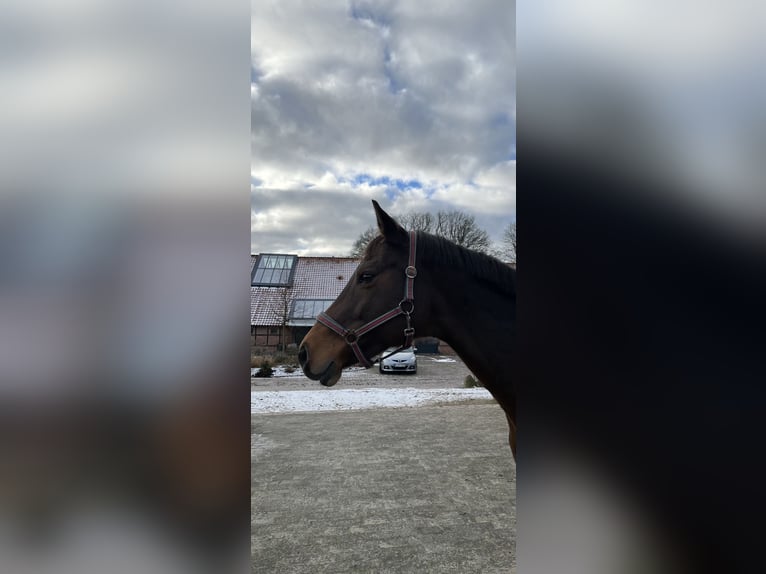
(426, 489)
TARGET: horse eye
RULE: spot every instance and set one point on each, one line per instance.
(366, 277)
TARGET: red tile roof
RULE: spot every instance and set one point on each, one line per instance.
(314, 278)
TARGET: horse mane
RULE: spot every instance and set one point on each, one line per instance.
(440, 251)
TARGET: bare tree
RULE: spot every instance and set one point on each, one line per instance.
(418, 221)
(508, 248)
(457, 226)
(461, 228)
(361, 242)
(285, 302)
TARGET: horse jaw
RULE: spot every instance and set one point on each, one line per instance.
(327, 377)
(331, 376)
(322, 355)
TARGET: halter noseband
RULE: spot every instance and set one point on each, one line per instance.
(405, 307)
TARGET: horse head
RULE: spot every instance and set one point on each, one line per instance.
(372, 312)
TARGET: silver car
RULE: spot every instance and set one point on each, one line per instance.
(402, 362)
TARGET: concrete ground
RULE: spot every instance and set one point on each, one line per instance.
(434, 371)
(426, 489)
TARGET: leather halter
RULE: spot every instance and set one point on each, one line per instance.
(405, 307)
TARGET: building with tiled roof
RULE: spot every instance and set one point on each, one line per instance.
(287, 292)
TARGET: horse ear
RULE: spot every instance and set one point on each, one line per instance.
(389, 228)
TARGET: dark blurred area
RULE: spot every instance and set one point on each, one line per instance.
(642, 276)
(124, 242)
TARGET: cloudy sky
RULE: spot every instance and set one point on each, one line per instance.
(409, 103)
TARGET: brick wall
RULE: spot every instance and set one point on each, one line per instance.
(268, 337)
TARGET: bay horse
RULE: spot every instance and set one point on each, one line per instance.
(462, 297)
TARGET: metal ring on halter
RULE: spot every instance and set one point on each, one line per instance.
(405, 311)
(351, 337)
(411, 272)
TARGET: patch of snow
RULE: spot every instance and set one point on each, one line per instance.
(443, 360)
(279, 371)
(354, 399)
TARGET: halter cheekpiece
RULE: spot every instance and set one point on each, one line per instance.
(405, 307)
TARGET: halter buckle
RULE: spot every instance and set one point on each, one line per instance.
(409, 331)
(411, 272)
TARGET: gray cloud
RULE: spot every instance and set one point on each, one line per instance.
(327, 221)
(400, 90)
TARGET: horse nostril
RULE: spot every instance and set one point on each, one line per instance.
(303, 355)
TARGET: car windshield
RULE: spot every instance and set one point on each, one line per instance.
(403, 351)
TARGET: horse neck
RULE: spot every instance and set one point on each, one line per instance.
(477, 321)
